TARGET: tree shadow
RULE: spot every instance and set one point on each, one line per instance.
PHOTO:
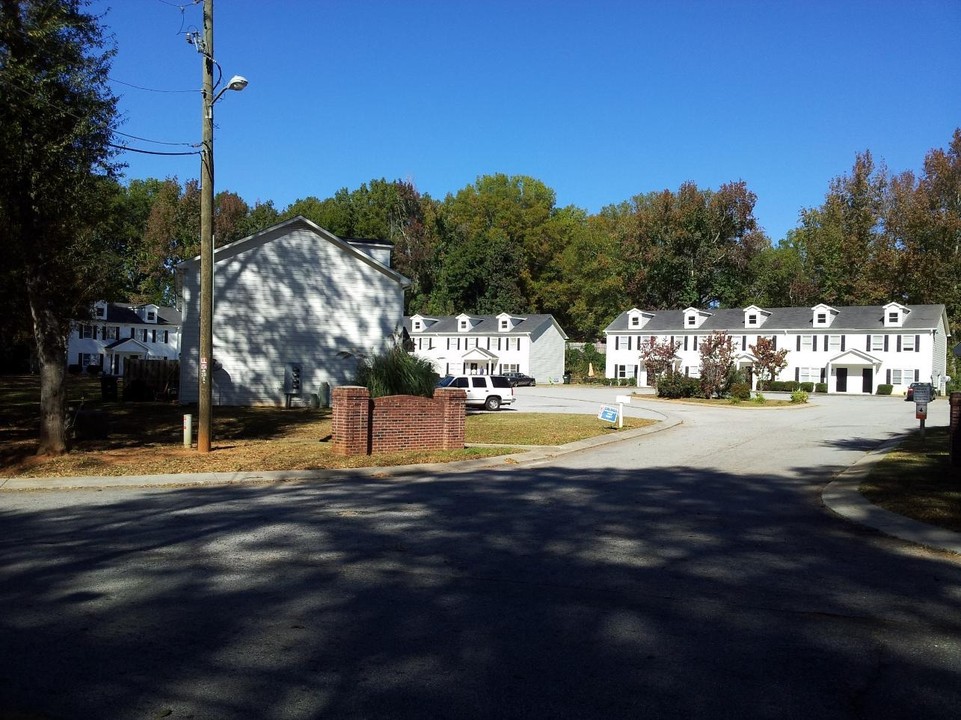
(534, 592)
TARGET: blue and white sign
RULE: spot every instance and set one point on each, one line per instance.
(608, 413)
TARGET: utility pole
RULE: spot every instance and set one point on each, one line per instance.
(205, 400)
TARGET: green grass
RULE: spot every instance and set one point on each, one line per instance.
(918, 481)
(540, 429)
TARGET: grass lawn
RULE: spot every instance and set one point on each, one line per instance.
(147, 438)
(918, 480)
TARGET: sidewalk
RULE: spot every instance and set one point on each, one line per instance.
(842, 497)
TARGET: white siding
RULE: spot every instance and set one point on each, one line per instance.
(297, 298)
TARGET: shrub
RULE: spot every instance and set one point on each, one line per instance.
(821, 387)
(396, 372)
(799, 396)
(807, 387)
(93, 370)
(758, 398)
(675, 385)
(884, 389)
(73, 369)
(740, 391)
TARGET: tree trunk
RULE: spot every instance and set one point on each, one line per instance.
(52, 354)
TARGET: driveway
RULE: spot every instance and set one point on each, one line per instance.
(689, 573)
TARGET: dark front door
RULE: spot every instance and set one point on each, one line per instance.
(867, 380)
(842, 380)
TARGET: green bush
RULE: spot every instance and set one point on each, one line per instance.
(799, 396)
(821, 387)
(758, 398)
(675, 385)
(885, 389)
(807, 387)
(740, 391)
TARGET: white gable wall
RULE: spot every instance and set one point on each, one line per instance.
(298, 298)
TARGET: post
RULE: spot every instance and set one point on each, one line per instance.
(205, 400)
(188, 430)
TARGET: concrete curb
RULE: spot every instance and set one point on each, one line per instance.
(500, 462)
(842, 497)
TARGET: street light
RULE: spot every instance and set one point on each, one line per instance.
(205, 400)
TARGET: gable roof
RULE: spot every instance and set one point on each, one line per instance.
(258, 239)
(797, 319)
(484, 325)
(126, 314)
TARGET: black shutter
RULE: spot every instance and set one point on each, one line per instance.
(774, 342)
(823, 373)
(798, 342)
(685, 342)
(886, 342)
(814, 342)
(898, 347)
(617, 342)
(888, 380)
(842, 343)
(797, 374)
(868, 348)
(916, 374)
(917, 343)
(744, 342)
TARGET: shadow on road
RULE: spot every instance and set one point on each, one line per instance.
(529, 593)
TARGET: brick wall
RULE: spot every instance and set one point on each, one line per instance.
(362, 426)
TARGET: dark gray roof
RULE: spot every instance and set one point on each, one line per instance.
(482, 325)
(126, 314)
(855, 317)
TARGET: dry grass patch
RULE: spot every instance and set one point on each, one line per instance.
(147, 438)
(918, 481)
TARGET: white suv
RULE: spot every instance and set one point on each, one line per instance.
(487, 391)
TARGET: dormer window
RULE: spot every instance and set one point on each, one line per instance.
(418, 325)
(463, 325)
(752, 320)
(635, 321)
(151, 316)
(505, 325)
(101, 311)
(895, 314)
(692, 320)
(823, 315)
(755, 316)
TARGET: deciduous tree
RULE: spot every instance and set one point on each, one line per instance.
(56, 118)
(717, 363)
(769, 360)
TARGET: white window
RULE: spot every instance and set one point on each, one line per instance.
(834, 342)
(87, 359)
(101, 312)
(807, 342)
(463, 325)
(635, 321)
(625, 371)
(143, 336)
(808, 374)
(907, 343)
(877, 342)
(822, 319)
(503, 324)
(902, 376)
(736, 343)
(752, 320)
(151, 316)
(691, 320)
(418, 326)
(111, 332)
(86, 331)
(508, 367)
(893, 317)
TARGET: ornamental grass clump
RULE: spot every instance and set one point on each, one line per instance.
(396, 372)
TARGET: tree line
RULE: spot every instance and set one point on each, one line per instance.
(503, 244)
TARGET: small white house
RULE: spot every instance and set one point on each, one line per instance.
(118, 331)
(490, 344)
(295, 306)
(851, 349)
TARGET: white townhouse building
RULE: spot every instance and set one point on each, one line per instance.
(295, 308)
(123, 330)
(490, 344)
(851, 349)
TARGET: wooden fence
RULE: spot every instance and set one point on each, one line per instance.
(157, 379)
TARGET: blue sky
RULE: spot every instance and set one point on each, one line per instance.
(601, 100)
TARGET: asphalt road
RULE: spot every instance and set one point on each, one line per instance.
(690, 573)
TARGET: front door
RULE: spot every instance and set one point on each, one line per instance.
(867, 381)
(842, 385)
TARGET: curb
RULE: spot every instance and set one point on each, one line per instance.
(842, 497)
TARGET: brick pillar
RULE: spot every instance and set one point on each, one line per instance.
(351, 420)
(452, 400)
(955, 439)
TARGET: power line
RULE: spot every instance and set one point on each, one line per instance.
(127, 148)
(139, 87)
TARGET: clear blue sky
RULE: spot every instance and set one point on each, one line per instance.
(600, 99)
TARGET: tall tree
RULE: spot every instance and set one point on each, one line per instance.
(717, 363)
(56, 120)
